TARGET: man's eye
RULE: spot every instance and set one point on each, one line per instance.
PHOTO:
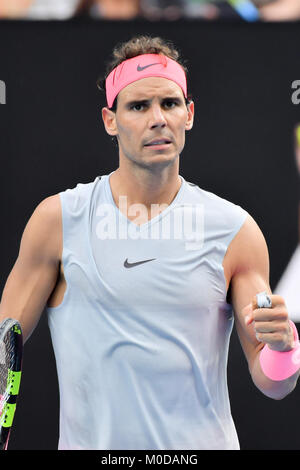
(137, 106)
(170, 103)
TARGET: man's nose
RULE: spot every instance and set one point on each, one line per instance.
(157, 118)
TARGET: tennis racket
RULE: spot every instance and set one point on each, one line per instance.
(11, 349)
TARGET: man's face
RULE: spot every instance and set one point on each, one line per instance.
(150, 109)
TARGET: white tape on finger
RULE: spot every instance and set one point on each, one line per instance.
(263, 300)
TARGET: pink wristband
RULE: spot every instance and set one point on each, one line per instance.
(279, 365)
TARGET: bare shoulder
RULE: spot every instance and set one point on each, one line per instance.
(50, 207)
(248, 250)
(43, 231)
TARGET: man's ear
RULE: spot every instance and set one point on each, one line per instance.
(109, 120)
(190, 119)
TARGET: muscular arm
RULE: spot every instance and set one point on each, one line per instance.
(35, 271)
(250, 275)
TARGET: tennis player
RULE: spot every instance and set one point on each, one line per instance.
(142, 274)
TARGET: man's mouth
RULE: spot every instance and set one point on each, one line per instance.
(158, 143)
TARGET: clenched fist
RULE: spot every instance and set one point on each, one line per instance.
(271, 325)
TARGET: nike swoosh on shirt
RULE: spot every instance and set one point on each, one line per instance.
(131, 265)
(139, 68)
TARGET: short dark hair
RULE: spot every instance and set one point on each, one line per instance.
(139, 45)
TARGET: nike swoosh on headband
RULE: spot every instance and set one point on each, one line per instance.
(139, 68)
(131, 265)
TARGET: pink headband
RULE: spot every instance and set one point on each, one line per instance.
(143, 66)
